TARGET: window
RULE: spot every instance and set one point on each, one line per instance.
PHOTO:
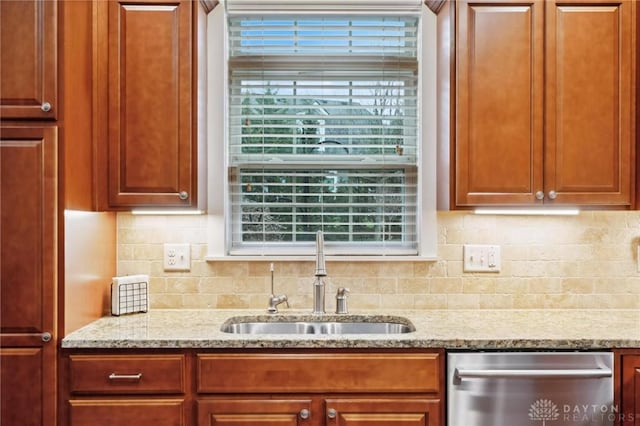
(323, 132)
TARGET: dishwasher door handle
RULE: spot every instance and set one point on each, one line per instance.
(594, 373)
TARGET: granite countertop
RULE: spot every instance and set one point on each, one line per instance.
(450, 329)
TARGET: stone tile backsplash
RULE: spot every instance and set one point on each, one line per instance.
(585, 261)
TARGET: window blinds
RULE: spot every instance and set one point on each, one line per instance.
(323, 132)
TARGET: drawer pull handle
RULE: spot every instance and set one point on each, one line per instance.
(114, 376)
(332, 413)
(304, 414)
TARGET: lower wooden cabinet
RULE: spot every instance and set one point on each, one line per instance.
(320, 389)
(267, 388)
(630, 389)
(28, 272)
(126, 388)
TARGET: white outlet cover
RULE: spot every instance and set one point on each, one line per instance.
(481, 258)
(177, 257)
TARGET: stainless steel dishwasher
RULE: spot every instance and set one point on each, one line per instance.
(530, 388)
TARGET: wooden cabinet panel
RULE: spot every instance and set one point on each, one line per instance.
(28, 187)
(247, 412)
(545, 103)
(28, 59)
(151, 147)
(28, 221)
(138, 412)
(500, 101)
(278, 373)
(588, 102)
(379, 412)
(127, 374)
(630, 411)
(21, 377)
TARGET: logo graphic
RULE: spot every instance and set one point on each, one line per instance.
(544, 410)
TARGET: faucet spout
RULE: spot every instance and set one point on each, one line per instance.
(275, 300)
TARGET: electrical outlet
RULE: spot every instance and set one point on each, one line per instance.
(481, 258)
(177, 257)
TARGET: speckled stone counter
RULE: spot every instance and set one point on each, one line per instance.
(450, 329)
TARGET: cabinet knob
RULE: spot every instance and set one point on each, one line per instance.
(183, 195)
(553, 195)
(332, 413)
(539, 195)
(46, 337)
(304, 414)
(46, 107)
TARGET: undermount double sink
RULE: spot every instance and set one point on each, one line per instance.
(332, 325)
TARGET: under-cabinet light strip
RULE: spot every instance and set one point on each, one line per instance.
(528, 212)
(166, 212)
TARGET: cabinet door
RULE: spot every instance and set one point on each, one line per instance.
(589, 129)
(630, 411)
(28, 185)
(138, 412)
(383, 412)
(28, 59)
(151, 148)
(250, 412)
(498, 150)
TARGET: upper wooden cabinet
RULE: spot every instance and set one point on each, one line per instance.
(28, 59)
(544, 103)
(589, 102)
(146, 73)
(500, 70)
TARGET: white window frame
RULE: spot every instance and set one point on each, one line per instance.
(218, 238)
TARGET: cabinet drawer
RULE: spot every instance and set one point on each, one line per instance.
(277, 373)
(129, 374)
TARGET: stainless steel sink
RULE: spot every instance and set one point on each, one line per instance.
(293, 326)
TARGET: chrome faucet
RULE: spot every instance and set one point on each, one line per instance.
(321, 271)
(274, 300)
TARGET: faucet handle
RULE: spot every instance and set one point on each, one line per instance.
(342, 292)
